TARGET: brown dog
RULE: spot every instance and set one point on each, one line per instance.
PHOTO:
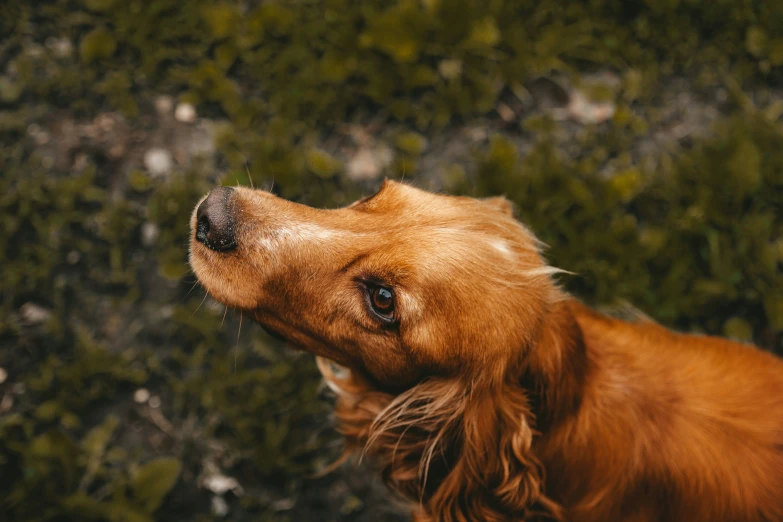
(485, 392)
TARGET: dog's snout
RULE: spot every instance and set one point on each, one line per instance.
(214, 221)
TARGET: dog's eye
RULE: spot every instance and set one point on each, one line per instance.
(382, 301)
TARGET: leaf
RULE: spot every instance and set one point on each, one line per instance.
(10, 91)
(221, 19)
(96, 45)
(322, 164)
(627, 184)
(485, 34)
(58, 447)
(745, 166)
(48, 410)
(411, 143)
(738, 328)
(756, 41)
(154, 480)
(96, 441)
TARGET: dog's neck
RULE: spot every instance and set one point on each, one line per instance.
(556, 366)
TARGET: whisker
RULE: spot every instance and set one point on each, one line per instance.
(189, 291)
(225, 311)
(252, 186)
(201, 303)
(236, 346)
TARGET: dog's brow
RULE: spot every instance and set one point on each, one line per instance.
(352, 262)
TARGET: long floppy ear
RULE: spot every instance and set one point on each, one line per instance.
(461, 452)
(495, 477)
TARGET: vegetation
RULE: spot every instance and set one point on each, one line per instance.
(95, 307)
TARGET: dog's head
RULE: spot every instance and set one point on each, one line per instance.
(399, 286)
(433, 302)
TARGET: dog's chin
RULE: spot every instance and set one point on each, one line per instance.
(303, 345)
(274, 334)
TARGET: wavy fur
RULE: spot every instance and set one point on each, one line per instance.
(459, 450)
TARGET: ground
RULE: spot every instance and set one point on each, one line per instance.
(643, 145)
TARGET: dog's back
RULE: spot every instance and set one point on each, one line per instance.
(684, 427)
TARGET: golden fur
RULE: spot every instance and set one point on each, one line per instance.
(496, 396)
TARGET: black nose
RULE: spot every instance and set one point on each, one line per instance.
(215, 222)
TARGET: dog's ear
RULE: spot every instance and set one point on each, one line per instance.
(502, 204)
(495, 476)
(462, 452)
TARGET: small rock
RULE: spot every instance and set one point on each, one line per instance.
(368, 163)
(450, 69)
(166, 312)
(221, 484)
(164, 104)
(585, 111)
(154, 402)
(185, 113)
(108, 132)
(201, 143)
(363, 165)
(80, 162)
(141, 395)
(284, 504)
(3, 375)
(219, 506)
(149, 234)
(38, 134)
(33, 314)
(7, 403)
(506, 113)
(106, 122)
(61, 47)
(116, 151)
(73, 257)
(477, 134)
(158, 161)
(34, 51)
(19, 388)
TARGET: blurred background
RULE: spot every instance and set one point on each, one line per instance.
(642, 141)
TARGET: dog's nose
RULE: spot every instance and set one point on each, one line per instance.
(214, 221)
